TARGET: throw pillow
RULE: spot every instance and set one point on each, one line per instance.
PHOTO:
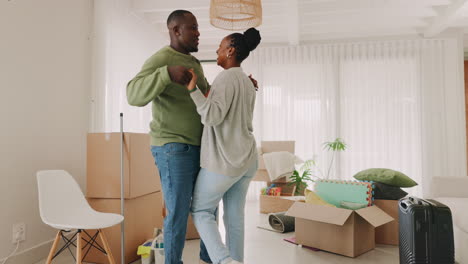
(388, 192)
(387, 176)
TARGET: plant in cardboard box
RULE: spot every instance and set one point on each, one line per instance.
(300, 178)
(305, 174)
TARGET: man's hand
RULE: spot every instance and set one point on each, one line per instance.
(179, 74)
(254, 82)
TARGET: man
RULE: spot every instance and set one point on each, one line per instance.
(176, 127)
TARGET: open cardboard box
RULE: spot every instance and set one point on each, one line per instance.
(275, 204)
(342, 231)
(271, 146)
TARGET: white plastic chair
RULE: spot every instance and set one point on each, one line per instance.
(63, 206)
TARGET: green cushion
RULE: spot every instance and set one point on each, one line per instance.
(387, 176)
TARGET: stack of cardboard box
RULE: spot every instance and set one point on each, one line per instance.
(143, 197)
(274, 204)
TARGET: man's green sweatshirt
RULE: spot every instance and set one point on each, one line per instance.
(175, 117)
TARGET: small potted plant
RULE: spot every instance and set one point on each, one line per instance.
(300, 178)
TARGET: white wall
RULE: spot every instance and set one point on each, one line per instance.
(45, 56)
(122, 43)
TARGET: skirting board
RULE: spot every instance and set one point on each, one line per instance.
(34, 254)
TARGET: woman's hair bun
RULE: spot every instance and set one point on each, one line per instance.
(252, 38)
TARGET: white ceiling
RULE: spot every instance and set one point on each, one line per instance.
(302, 21)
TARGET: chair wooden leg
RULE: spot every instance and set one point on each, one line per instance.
(106, 247)
(54, 247)
(78, 248)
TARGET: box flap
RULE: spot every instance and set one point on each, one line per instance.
(374, 215)
(320, 213)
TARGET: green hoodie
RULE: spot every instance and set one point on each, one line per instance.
(175, 117)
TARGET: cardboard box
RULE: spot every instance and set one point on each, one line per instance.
(342, 231)
(271, 146)
(142, 215)
(276, 204)
(287, 189)
(103, 166)
(388, 234)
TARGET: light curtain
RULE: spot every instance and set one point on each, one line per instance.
(397, 104)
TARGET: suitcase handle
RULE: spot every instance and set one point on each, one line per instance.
(404, 205)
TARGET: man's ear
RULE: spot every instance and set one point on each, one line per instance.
(176, 30)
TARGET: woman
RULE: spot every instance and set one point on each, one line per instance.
(228, 151)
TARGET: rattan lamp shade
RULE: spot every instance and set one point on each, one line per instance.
(235, 14)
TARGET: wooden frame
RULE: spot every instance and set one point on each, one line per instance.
(79, 246)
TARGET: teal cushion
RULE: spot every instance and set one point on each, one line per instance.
(387, 176)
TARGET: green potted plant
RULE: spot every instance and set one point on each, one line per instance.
(337, 145)
(300, 178)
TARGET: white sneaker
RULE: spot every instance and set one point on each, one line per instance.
(235, 262)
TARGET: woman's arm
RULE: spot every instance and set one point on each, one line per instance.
(212, 109)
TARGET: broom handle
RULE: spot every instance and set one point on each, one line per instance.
(122, 194)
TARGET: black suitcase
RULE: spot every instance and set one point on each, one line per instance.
(426, 232)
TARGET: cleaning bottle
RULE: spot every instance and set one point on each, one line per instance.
(160, 241)
(159, 249)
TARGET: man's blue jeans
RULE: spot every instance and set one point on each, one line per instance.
(178, 166)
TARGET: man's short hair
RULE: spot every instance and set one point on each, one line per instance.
(176, 15)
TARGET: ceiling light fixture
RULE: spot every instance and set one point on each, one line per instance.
(235, 14)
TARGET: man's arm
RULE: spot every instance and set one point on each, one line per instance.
(152, 80)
